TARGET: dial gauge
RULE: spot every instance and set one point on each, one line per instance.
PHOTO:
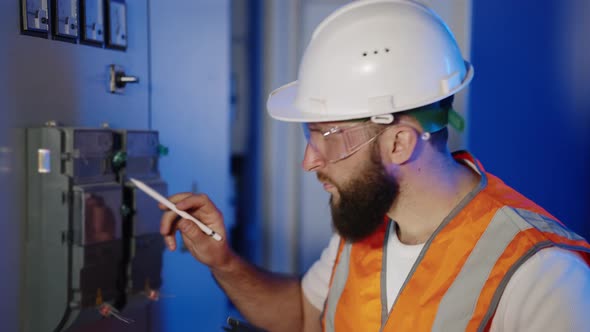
(35, 16)
(92, 15)
(66, 18)
(117, 24)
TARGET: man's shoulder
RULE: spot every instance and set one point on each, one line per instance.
(550, 290)
(555, 259)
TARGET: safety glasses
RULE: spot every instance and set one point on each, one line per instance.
(336, 143)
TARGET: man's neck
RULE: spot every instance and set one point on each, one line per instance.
(428, 194)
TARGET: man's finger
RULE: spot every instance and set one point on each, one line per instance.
(189, 229)
(200, 202)
(168, 229)
(175, 199)
(170, 242)
(168, 222)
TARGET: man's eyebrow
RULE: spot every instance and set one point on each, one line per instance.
(314, 126)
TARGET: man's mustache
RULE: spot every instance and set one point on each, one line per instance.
(324, 178)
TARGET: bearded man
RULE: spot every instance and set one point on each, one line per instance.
(426, 240)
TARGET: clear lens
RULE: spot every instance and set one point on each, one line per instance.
(337, 143)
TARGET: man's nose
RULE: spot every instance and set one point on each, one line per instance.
(312, 160)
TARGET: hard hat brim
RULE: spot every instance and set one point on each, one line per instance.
(281, 104)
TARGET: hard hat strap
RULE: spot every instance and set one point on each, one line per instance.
(433, 119)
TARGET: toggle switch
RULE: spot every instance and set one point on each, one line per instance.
(118, 79)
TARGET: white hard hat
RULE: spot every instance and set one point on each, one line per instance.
(370, 58)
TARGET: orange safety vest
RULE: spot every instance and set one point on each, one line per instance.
(458, 279)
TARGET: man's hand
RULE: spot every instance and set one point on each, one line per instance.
(273, 302)
(215, 254)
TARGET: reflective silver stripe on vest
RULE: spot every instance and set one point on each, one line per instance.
(457, 305)
(384, 312)
(544, 224)
(338, 283)
(483, 182)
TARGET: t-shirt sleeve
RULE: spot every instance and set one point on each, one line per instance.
(316, 281)
(549, 292)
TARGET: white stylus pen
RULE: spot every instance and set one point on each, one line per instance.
(155, 195)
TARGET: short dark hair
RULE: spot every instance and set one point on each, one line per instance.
(439, 138)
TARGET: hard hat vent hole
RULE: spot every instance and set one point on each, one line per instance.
(386, 50)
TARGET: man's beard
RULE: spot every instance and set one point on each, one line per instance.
(363, 201)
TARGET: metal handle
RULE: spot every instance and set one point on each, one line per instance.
(118, 79)
(122, 79)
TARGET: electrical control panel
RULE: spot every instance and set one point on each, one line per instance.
(65, 22)
(141, 151)
(92, 236)
(35, 16)
(99, 23)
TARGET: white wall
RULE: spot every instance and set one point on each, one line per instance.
(191, 110)
(281, 184)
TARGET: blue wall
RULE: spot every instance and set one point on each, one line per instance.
(190, 72)
(530, 101)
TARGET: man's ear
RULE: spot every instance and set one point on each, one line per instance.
(398, 144)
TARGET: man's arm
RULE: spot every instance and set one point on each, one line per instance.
(549, 292)
(311, 315)
(270, 301)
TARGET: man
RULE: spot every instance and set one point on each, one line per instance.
(426, 240)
